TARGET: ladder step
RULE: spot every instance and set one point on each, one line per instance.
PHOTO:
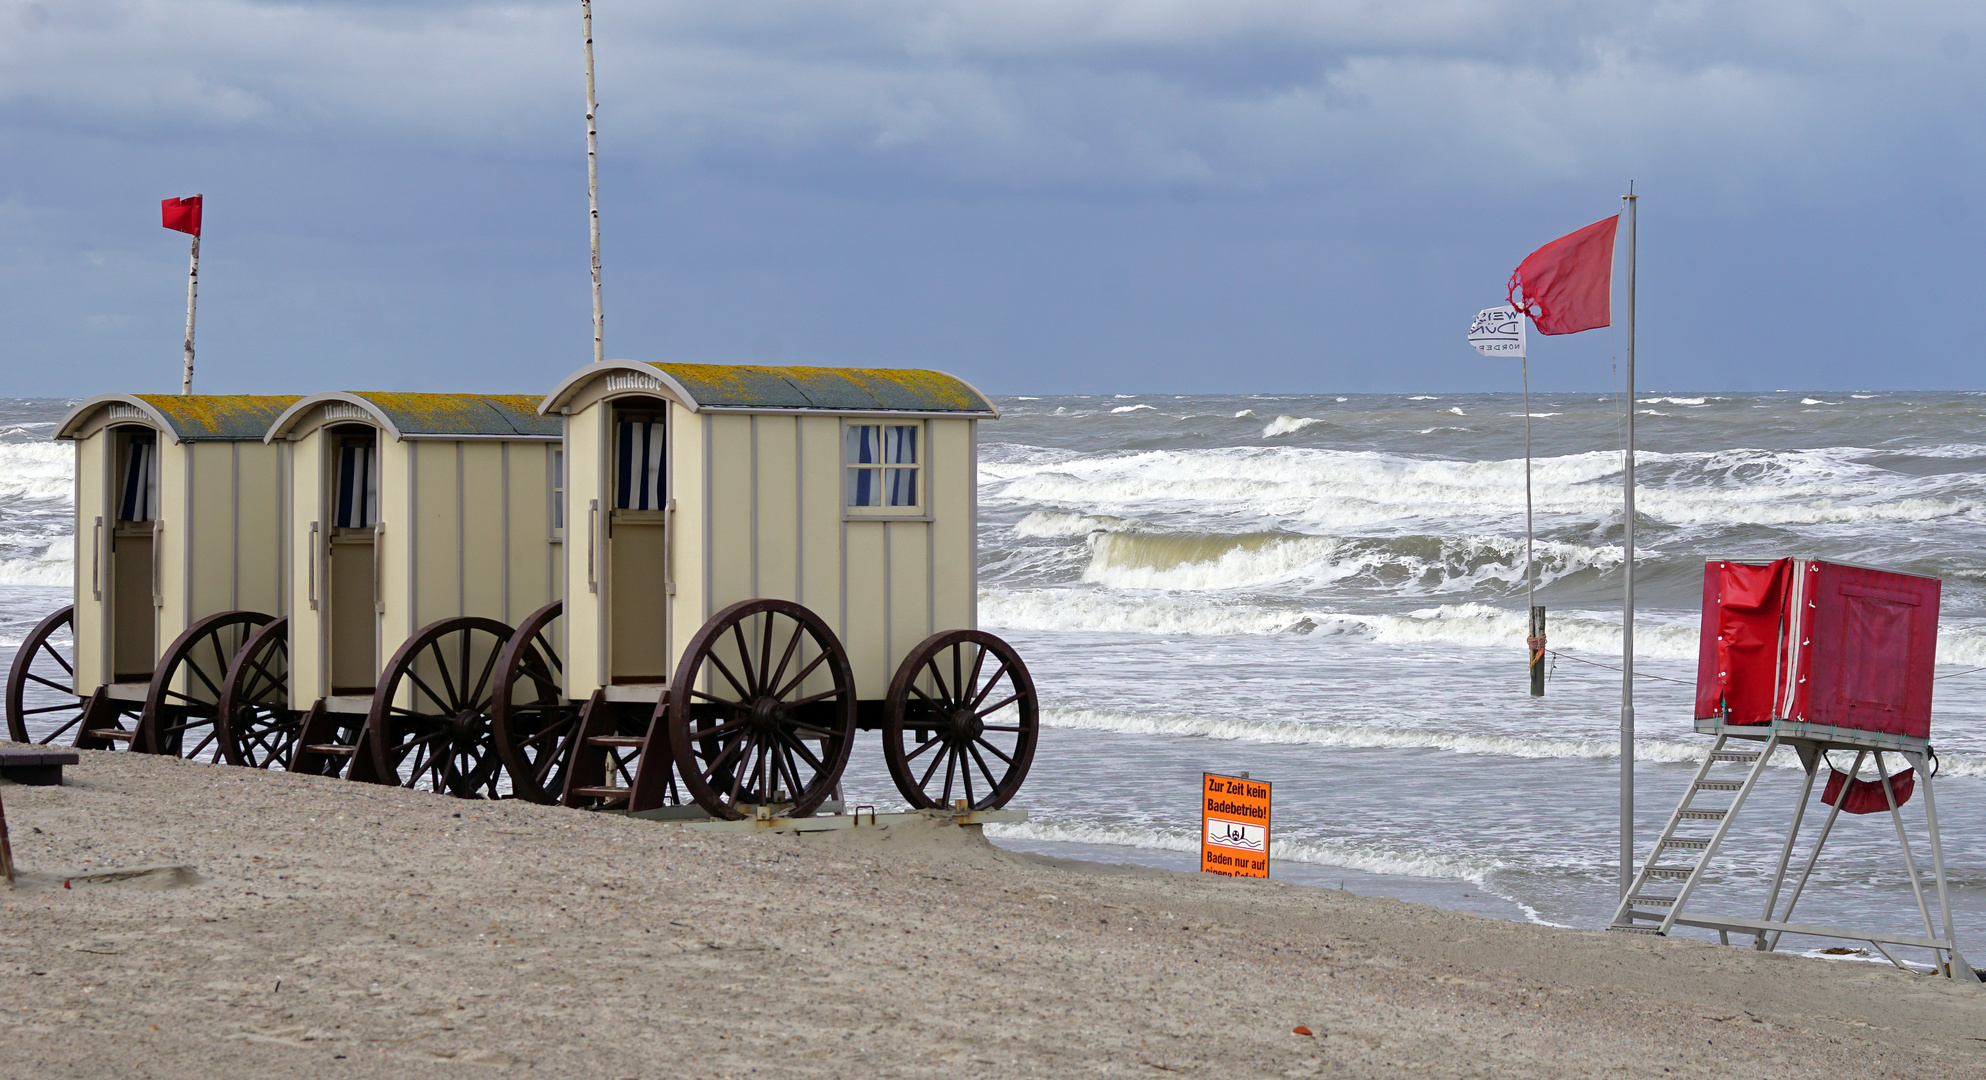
(1696, 844)
(1658, 901)
(601, 792)
(616, 740)
(330, 748)
(1668, 871)
(1735, 755)
(1702, 815)
(1625, 928)
(1719, 785)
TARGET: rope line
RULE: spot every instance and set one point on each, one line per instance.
(1609, 667)
(1956, 674)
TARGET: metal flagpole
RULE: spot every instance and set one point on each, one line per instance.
(192, 294)
(592, 183)
(1627, 580)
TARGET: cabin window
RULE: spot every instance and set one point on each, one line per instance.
(638, 461)
(883, 464)
(138, 490)
(356, 492)
(558, 493)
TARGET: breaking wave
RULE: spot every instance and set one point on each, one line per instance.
(1408, 565)
(1373, 860)
(1284, 425)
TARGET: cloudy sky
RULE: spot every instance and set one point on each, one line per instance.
(1085, 196)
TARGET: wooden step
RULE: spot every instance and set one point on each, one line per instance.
(119, 734)
(601, 792)
(616, 740)
(330, 748)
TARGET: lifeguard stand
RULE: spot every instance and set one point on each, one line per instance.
(177, 560)
(1819, 658)
(420, 526)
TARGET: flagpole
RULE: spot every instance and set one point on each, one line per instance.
(192, 294)
(593, 183)
(1627, 579)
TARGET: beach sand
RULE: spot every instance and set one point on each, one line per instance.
(332, 929)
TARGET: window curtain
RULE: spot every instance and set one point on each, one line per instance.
(638, 473)
(139, 500)
(876, 445)
(358, 486)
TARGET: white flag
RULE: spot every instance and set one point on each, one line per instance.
(1498, 331)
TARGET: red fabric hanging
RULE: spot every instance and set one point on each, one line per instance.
(1568, 284)
(1866, 796)
(1737, 664)
(182, 215)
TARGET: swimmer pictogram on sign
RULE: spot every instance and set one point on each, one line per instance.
(1234, 826)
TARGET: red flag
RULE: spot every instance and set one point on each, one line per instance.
(1568, 283)
(181, 214)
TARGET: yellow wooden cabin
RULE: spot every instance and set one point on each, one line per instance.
(178, 519)
(406, 509)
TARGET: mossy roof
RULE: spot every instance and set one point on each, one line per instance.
(442, 415)
(815, 389)
(192, 417)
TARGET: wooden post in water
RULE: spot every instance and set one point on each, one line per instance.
(1537, 643)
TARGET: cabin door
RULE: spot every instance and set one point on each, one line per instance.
(133, 574)
(352, 572)
(637, 551)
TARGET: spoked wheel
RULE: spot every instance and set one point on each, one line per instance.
(960, 722)
(183, 705)
(42, 703)
(530, 718)
(258, 729)
(430, 722)
(762, 710)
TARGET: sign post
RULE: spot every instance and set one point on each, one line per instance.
(1234, 826)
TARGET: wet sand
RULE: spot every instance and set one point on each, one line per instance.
(330, 929)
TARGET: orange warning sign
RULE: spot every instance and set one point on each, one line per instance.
(1234, 826)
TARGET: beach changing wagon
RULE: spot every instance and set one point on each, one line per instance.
(177, 562)
(759, 562)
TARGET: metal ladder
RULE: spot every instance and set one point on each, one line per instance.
(1640, 907)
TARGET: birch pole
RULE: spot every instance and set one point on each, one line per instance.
(592, 194)
(192, 294)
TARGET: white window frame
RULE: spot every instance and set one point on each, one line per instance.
(919, 512)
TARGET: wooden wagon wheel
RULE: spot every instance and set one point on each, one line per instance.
(183, 704)
(530, 717)
(744, 730)
(258, 729)
(950, 727)
(42, 684)
(440, 739)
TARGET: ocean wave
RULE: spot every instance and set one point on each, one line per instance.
(1669, 401)
(1134, 408)
(1141, 559)
(1299, 733)
(55, 566)
(1284, 425)
(1187, 615)
(1343, 490)
(1372, 860)
(37, 470)
(1054, 523)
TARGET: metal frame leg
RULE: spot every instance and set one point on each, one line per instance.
(1960, 970)
(1814, 857)
(1909, 860)
(1812, 762)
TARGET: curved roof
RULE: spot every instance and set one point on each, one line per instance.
(189, 417)
(817, 389)
(433, 416)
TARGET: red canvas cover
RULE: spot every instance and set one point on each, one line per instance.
(1871, 642)
(1738, 658)
(1866, 796)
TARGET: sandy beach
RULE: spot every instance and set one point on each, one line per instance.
(324, 928)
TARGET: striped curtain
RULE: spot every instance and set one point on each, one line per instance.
(139, 500)
(871, 446)
(638, 458)
(357, 491)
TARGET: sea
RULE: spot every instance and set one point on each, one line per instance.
(1329, 593)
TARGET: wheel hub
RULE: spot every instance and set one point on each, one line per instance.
(466, 727)
(966, 727)
(768, 714)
